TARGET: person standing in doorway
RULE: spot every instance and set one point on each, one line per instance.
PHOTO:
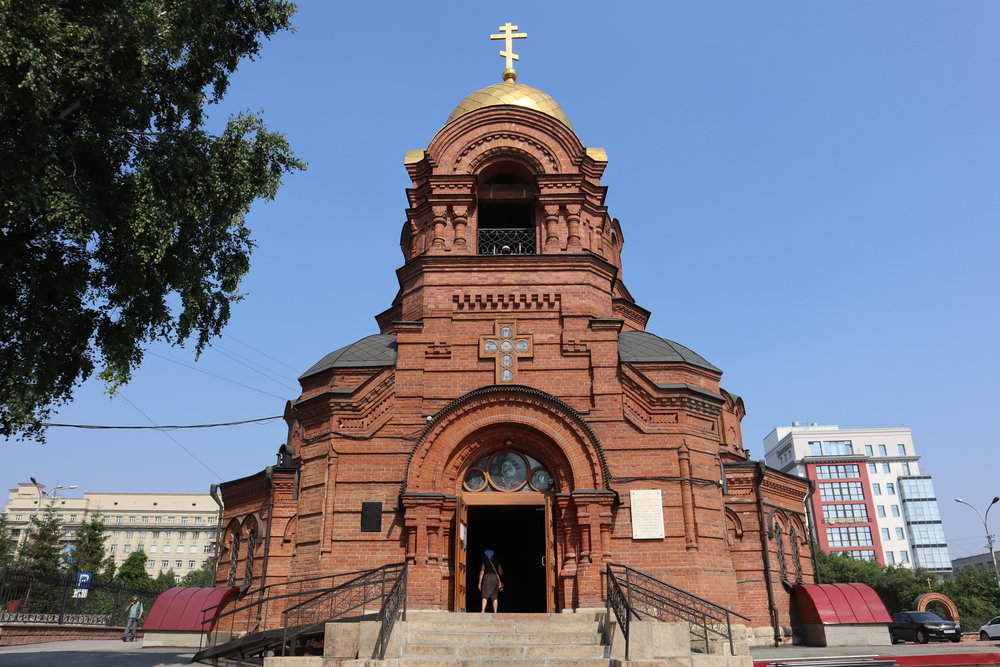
(135, 611)
(490, 583)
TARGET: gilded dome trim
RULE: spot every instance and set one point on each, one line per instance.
(514, 94)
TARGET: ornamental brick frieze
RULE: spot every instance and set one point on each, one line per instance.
(635, 316)
(522, 301)
(495, 144)
(665, 407)
(438, 350)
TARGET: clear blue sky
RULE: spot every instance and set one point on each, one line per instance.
(809, 194)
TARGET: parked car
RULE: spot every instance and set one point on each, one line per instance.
(991, 630)
(922, 626)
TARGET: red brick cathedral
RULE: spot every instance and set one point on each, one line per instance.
(513, 400)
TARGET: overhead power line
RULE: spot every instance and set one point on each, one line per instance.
(162, 428)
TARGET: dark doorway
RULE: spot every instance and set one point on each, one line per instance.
(517, 534)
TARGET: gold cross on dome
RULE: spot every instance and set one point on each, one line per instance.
(508, 34)
(506, 346)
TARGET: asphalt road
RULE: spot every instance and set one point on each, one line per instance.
(93, 653)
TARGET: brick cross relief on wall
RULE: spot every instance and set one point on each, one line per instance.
(506, 346)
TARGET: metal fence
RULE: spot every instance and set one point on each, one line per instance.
(27, 597)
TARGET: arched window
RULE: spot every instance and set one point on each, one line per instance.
(507, 471)
(251, 546)
(793, 535)
(779, 544)
(506, 211)
(234, 557)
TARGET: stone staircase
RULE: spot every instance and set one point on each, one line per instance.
(444, 639)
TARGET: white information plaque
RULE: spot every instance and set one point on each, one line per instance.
(647, 514)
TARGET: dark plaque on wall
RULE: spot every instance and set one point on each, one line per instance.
(371, 517)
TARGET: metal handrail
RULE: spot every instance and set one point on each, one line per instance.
(331, 604)
(659, 599)
(388, 613)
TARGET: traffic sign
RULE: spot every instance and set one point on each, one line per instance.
(83, 581)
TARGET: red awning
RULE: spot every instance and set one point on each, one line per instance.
(184, 608)
(832, 604)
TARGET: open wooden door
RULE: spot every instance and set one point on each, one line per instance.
(550, 558)
(461, 556)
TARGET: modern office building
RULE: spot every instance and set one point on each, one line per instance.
(176, 530)
(870, 500)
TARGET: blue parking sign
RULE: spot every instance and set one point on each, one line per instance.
(83, 579)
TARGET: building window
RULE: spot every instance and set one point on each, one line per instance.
(128, 533)
(184, 520)
(830, 448)
(190, 563)
(141, 546)
(145, 519)
(902, 449)
(150, 563)
(917, 489)
(899, 534)
(886, 467)
(890, 557)
(180, 548)
(838, 472)
(209, 548)
(170, 519)
(159, 519)
(118, 534)
(127, 548)
(904, 556)
(885, 533)
(872, 469)
(845, 514)
(166, 548)
(118, 519)
(927, 534)
(17, 517)
(197, 519)
(841, 491)
(72, 518)
(906, 467)
(857, 554)
(142, 533)
(178, 564)
(881, 511)
(890, 488)
(170, 534)
(131, 519)
(164, 564)
(849, 536)
(506, 213)
(877, 489)
(114, 548)
(153, 549)
(869, 451)
(895, 510)
(882, 451)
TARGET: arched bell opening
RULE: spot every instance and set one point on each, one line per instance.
(505, 209)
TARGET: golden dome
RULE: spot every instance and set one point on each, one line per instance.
(510, 92)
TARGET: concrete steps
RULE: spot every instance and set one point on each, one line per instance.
(442, 639)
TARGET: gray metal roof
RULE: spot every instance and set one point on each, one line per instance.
(377, 350)
(645, 347)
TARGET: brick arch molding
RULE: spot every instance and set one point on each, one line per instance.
(554, 430)
(921, 602)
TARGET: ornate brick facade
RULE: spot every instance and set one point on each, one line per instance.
(513, 398)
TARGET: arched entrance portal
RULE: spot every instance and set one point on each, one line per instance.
(516, 470)
(506, 505)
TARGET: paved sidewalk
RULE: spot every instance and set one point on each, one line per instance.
(771, 653)
(93, 653)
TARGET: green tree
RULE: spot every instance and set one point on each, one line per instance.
(8, 545)
(121, 216)
(41, 552)
(974, 591)
(203, 577)
(165, 580)
(133, 571)
(89, 552)
(897, 586)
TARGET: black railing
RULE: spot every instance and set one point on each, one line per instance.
(27, 597)
(390, 611)
(632, 594)
(517, 241)
(351, 600)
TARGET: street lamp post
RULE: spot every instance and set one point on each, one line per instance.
(989, 536)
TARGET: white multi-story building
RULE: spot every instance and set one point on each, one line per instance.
(870, 501)
(176, 530)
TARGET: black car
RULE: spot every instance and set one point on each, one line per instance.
(921, 626)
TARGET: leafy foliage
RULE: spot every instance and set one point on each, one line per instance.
(133, 571)
(165, 580)
(41, 552)
(974, 590)
(8, 545)
(121, 217)
(89, 553)
(203, 577)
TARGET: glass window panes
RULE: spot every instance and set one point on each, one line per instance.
(507, 470)
(854, 513)
(904, 556)
(886, 467)
(899, 533)
(901, 449)
(917, 489)
(895, 510)
(932, 558)
(927, 534)
(849, 536)
(885, 533)
(877, 489)
(838, 472)
(890, 557)
(841, 491)
(906, 467)
(890, 488)
(922, 510)
(872, 469)
(881, 451)
(858, 554)
(869, 451)
(880, 510)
